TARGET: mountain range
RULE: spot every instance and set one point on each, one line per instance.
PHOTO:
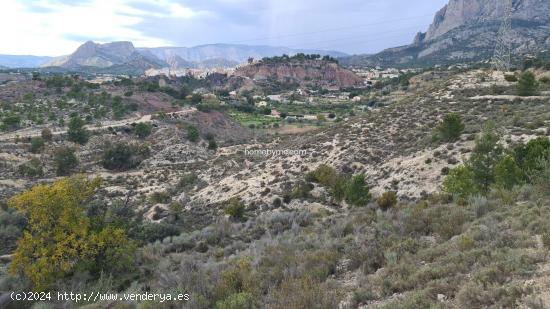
(467, 31)
(121, 57)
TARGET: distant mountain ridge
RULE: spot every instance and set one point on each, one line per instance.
(232, 54)
(23, 61)
(123, 56)
(466, 31)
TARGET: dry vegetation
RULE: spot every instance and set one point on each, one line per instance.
(360, 221)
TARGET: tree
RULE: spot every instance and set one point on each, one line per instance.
(192, 133)
(77, 132)
(196, 98)
(212, 145)
(59, 238)
(450, 128)
(387, 200)
(527, 84)
(486, 153)
(142, 129)
(528, 156)
(65, 160)
(31, 168)
(357, 192)
(507, 173)
(123, 156)
(460, 182)
(235, 208)
(46, 134)
(37, 144)
(11, 122)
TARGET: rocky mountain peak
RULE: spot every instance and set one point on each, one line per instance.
(464, 12)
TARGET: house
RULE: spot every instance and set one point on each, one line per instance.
(261, 104)
(275, 113)
(275, 97)
(356, 99)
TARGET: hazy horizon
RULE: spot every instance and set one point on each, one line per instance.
(58, 27)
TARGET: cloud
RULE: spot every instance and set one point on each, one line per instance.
(56, 27)
(59, 27)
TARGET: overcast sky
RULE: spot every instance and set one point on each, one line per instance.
(58, 27)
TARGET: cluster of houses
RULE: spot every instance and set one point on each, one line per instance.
(196, 73)
(370, 76)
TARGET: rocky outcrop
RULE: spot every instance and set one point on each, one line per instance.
(107, 55)
(461, 12)
(310, 72)
(466, 31)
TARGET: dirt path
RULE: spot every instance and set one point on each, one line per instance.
(28, 133)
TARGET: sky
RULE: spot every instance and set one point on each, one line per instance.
(58, 27)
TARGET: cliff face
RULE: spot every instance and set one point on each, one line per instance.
(311, 72)
(462, 12)
(466, 31)
(107, 55)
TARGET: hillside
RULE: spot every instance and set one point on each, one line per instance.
(363, 213)
(465, 31)
(299, 72)
(13, 61)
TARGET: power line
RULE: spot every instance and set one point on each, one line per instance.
(327, 30)
(368, 37)
(503, 50)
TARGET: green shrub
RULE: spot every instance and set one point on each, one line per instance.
(11, 122)
(187, 180)
(460, 182)
(357, 192)
(328, 177)
(301, 190)
(528, 156)
(65, 160)
(143, 129)
(11, 226)
(241, 300)
(192, 134)
(527, 84)
(450, 128)
(160, 197)
(324, 175)
(510, 78)
(546, 240)
(77, 132)
(37, 145)
(123, 156)
(486, 153)
(46, 134)
(151, 232)
(212, 145)
(507, 173)
(32, 168)
(465, 243)
(387, 200)
(235, 208)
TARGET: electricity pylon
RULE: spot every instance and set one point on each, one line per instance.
(503, 50)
